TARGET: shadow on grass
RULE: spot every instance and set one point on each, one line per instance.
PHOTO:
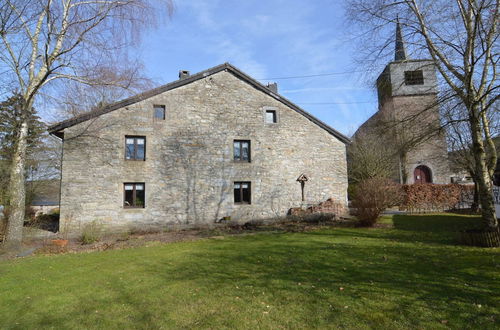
(435, 222)
(441, 229)
(389, 278)
(313, 268)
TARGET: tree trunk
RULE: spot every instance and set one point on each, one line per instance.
(3, 226)
(475, 204)
(484, 183)
(17, 194)
(403, 168)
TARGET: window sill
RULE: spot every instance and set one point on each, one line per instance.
(134, 207)
(135, 160)
(242, 203)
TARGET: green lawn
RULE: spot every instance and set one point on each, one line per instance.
(411, 276)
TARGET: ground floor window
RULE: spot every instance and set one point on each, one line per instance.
(242, 193)
(134, 195)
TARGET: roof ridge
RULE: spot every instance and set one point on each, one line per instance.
(53, 129)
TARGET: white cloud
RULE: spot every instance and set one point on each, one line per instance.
(221, 42)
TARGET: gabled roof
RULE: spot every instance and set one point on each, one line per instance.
(57, 128)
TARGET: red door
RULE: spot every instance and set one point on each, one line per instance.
(422, 174)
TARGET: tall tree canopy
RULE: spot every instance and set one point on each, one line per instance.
(43, 42)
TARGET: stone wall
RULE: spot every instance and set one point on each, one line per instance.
(408, 118)
(432, 150)
(398, 86)
(189, 169)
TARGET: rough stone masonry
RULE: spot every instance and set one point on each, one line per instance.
(189, 173)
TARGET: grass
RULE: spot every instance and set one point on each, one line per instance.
(410, 276)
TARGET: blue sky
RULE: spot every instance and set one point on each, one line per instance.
(267, 39)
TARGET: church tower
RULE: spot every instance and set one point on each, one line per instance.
(407, 97)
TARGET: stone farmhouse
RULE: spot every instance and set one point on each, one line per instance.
(209, 146)
(407, 119)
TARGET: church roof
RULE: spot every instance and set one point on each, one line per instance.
(59, 127)
(400, 51)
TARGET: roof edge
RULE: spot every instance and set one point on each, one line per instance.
(57, 128)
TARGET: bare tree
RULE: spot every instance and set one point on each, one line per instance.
(460, 141)
(74, 98)
(45, 41)
(368, 158)
(461, 38)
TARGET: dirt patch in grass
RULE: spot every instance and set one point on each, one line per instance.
(144, 238)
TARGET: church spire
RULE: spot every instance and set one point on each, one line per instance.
(400, 52)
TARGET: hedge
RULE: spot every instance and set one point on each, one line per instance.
(434, 197)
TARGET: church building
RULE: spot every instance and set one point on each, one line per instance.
(408, 119)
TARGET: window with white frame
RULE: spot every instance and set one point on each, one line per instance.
(135, 147)
(242, 193)
(134, 195)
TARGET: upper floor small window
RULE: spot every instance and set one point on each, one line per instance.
(159, 112)
(135, 148)
(414, 77)
(134, 195)
(241, 150)
(271, 117)
(242, 193)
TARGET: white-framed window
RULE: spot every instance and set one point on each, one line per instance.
(241, 151)
(135, 147)
(134, 195)
(242, 192)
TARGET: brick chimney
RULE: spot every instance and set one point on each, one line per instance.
(183, 74)
(273, 87)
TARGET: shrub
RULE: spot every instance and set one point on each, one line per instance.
(91, 233)
(373, 196)
(124, 236)
(29, 213)
(351, 191)
(49, 221)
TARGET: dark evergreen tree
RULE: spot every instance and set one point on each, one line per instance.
(10, 122)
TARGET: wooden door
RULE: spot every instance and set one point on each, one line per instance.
(422, 174)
